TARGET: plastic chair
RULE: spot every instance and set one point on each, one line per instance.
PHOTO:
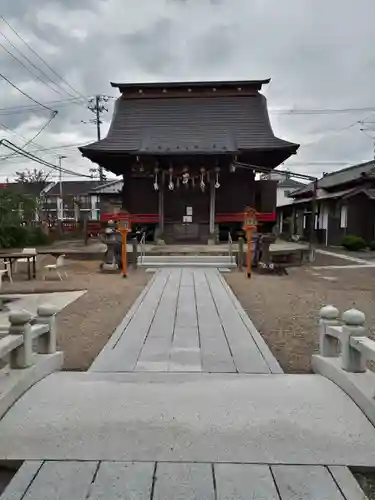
(59, 266)
(5, 270)
(24, 260)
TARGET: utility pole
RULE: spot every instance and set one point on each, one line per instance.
(97, 105)
(98, 122)
(61, 157)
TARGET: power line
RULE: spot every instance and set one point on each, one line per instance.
(72, 164)
(39, 146)
(337, 132)
(55, 103)
(40, 58)
(64, 146)
(26, 95)
(17, 134)
(11, 160)
(38, 133)
(320, 111)
(29, 70)
(33, 108)
(37, 159)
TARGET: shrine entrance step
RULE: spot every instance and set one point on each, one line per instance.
(186, 233)
(216, 261)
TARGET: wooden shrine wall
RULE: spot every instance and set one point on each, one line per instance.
(237, 190)
(177, 201)
(139, 196)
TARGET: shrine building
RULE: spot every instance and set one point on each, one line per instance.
(189, 152)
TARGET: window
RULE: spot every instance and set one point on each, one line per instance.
(344, 216)
(335, 209)
(323, 217)
(85, 200)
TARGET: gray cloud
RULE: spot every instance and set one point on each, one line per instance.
(151, 47)
(318, 53)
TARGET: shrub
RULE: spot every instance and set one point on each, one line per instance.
(372, 245)
(352, 242)
(36, 237)
(12, 236)
(17, 236)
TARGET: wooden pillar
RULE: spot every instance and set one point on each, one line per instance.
(126, 192)
(161, 204)
(293, 222)
(212, 207)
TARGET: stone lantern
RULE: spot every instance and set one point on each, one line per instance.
(112, 257)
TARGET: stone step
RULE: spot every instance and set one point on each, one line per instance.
(216, 265)
(187, 261)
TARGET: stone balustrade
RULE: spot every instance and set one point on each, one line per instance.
(28, 353)
(347, 338)
(344, 351)
(19, 344)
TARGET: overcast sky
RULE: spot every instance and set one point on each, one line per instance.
(319, 53)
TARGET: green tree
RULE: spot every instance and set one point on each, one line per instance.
(34, 176)
(15, 209)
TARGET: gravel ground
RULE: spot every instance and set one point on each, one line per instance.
(84, 326)
(285, 308)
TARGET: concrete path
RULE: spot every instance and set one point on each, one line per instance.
(186, 402)
(187, 321)
(31, 301)
(358, 263)
(188, 417)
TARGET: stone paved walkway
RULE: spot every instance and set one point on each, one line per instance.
(187, 321)
(180, 481)
(186, 402)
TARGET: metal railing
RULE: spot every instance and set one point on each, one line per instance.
(142, 245)
(230, 246)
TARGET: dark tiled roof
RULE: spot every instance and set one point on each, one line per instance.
(109, 187)
(340, 177)
(343, 194)
(73, 188)
(190, 125)
(290, 183)
(29, 188)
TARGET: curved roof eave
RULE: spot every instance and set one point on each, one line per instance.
(193, 84)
